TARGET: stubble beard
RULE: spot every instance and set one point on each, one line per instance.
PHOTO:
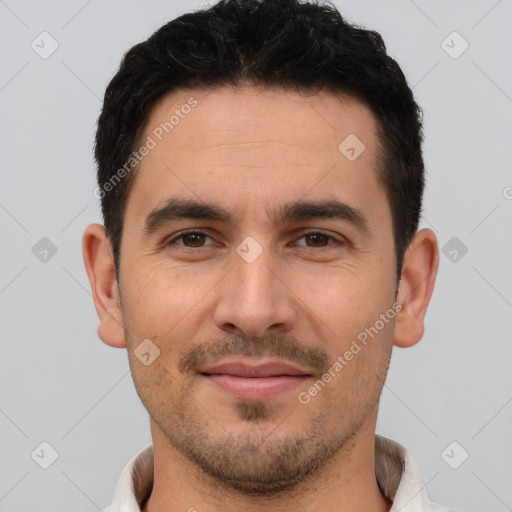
(261, 459)
(258, 461)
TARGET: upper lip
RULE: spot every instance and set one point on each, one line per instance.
(241, 368)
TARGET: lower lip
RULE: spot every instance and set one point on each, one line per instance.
(256, 388)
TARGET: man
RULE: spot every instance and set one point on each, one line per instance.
(261, 178)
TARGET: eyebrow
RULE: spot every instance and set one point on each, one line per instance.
(177, 208)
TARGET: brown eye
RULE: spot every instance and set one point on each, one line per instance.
(320, 240)
(317, 238)
(190, 239)
(194, 239)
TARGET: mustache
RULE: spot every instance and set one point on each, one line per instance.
(273, 345)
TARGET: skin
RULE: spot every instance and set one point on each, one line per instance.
(303, 299)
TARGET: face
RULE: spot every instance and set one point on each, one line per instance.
(256, 254)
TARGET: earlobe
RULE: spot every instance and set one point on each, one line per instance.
(415, 289)
(99, 264)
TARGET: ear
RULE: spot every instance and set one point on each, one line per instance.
(416, 285)
(99, 264)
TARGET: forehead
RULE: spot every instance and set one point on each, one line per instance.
(239, 144)
(254, 114)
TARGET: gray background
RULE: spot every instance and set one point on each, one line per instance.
(62, 385)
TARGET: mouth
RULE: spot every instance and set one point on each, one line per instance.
(244, 379)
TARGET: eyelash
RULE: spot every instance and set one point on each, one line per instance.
(339, 242)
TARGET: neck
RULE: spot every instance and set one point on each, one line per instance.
(347, 482)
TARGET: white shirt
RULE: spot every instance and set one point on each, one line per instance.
(396, 471)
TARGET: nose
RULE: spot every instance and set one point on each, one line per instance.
(255, 299)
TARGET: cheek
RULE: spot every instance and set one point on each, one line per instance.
(158, 297)
(361, 363)
(154, 384)
(346, 302)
